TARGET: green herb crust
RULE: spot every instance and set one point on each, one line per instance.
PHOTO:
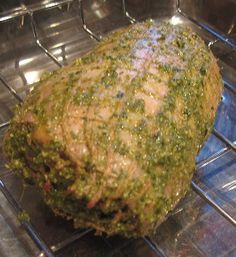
(111, 139)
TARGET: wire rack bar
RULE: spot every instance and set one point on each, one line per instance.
(212, 158)
(154, 246)
(229, 86)
(224, 139)
(11, 89)
(57, 248)
(209, 200)
(26, 224)
(4, 124)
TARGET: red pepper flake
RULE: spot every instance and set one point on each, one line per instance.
(70, 190)
(47, 186)
(94, 200)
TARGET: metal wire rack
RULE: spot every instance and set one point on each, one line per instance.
(199, 185)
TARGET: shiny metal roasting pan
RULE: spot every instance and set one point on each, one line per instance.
(38, 36)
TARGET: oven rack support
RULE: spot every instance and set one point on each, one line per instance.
(21, 12)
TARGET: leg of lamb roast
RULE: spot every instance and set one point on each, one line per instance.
(111, 139)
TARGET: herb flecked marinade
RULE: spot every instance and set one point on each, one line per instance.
(111, 139)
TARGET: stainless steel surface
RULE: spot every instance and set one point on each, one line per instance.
(38, 36)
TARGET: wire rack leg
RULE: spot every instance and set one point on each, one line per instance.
(217, 34)
(85, 27)
(126, 13)
(39, 44)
